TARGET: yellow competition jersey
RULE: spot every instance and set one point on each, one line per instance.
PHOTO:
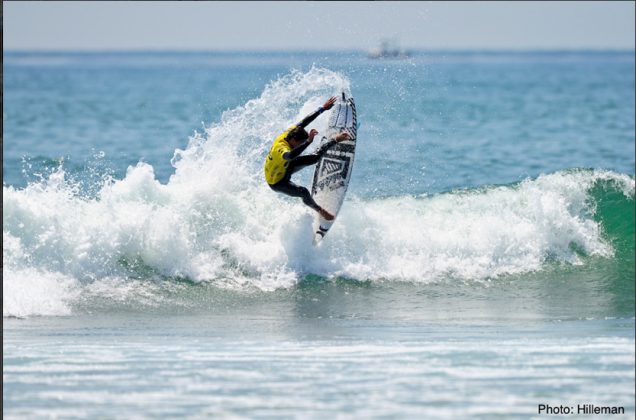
(275, 165)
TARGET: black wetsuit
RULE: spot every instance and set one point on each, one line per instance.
(297, 162)
(286, 186)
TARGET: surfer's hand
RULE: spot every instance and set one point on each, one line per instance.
(329, 103)
(312, 134)
(342, 137)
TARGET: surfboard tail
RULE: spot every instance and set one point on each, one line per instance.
(321, 229)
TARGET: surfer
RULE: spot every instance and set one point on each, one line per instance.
(283, 159)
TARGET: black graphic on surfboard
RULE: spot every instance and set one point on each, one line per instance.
(333, 171)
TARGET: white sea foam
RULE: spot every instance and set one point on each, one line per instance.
(216, 220)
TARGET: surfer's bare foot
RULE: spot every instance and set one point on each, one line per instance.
(324, 213)
(342, 137)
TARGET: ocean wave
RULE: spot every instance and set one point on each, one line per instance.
(215, 221)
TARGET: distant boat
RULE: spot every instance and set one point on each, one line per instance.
(388, 49)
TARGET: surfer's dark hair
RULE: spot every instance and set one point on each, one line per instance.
(299, 134)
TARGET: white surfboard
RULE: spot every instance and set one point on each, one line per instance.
(333, 170)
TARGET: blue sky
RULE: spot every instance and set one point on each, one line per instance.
(306, 25)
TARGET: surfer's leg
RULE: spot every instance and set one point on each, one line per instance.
(289, 188)
(293, 190)
(302, 162)
(307, 160)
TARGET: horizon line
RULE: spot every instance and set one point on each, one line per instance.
(313, 50)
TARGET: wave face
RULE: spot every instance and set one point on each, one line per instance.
(215, 221)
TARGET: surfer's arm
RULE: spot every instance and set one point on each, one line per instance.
(301, 148)
(340, 137)
(309, 118)
(297, 151)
